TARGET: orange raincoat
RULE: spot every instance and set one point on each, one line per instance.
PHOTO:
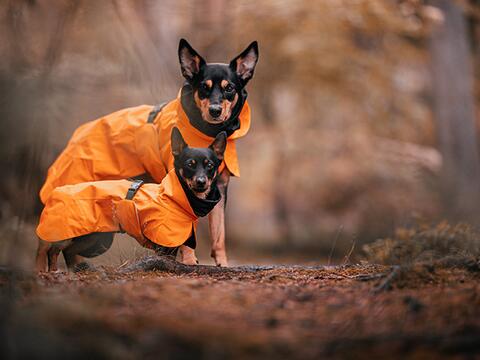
(160, 213)
(124, 144)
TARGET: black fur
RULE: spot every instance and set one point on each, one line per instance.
(208, 82)
(238, 72)
(197, 166)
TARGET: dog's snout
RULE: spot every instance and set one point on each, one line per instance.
(215, 110)
(201, 181)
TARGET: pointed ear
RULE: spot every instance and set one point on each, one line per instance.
(178, 144)
(190, 61)
(219, 144)
(244, 64)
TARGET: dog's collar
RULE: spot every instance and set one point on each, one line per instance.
(200, 207)
(195, 117)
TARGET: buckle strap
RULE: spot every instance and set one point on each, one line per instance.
(154, 112)
(133, 189)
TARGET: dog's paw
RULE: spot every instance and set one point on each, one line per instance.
(220, 258)
(187, 256)
(83, 266)
(193, 261)
(188, 259)
(221, 262)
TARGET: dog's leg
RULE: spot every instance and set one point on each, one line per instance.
(53, 258)
(216, 222)
(71, 252)
(86, 246)
(42, 256)
(71, 260)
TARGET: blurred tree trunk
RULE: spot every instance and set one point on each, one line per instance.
(453, 106)
(23, 145)
(281, 170)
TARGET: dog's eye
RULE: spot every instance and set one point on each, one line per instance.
(191, 164)
(229, 88)
(204, 87)
(209, 166)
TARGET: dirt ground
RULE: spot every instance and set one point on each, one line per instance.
(304, 312)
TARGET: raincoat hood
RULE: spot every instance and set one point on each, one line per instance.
(124, 144)
(159, 213)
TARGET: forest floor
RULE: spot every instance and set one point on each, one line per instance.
(302, 312)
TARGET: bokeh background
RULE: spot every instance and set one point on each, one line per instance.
(352, 134)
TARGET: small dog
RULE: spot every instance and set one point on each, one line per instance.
(134, 142)
(213, 97)
(161, 217)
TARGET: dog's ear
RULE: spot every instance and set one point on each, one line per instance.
(219, 144)
(190, 61)
(178, 144)
(244, 64)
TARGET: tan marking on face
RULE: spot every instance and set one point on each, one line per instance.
(224, 84)
(191, 185)
(203, 195)
(200, 195)
(203, 106)
(227, 107)
(209, 83)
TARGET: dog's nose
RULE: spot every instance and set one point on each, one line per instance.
(215, 110)
(201, 181)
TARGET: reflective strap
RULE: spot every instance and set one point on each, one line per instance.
(153, 114)
(133, 189)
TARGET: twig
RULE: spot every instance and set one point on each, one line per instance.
(387, 283)
(346, 259)
(368, 277)
(339, 231)
(169, 264)
(123, 264)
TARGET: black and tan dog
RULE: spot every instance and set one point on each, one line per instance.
(134, 142)
(161, 217)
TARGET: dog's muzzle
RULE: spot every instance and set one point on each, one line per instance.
(215, 111)
(201, 184)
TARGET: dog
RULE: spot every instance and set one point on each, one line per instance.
(133, 142)
(217, 90)
(80, 220)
